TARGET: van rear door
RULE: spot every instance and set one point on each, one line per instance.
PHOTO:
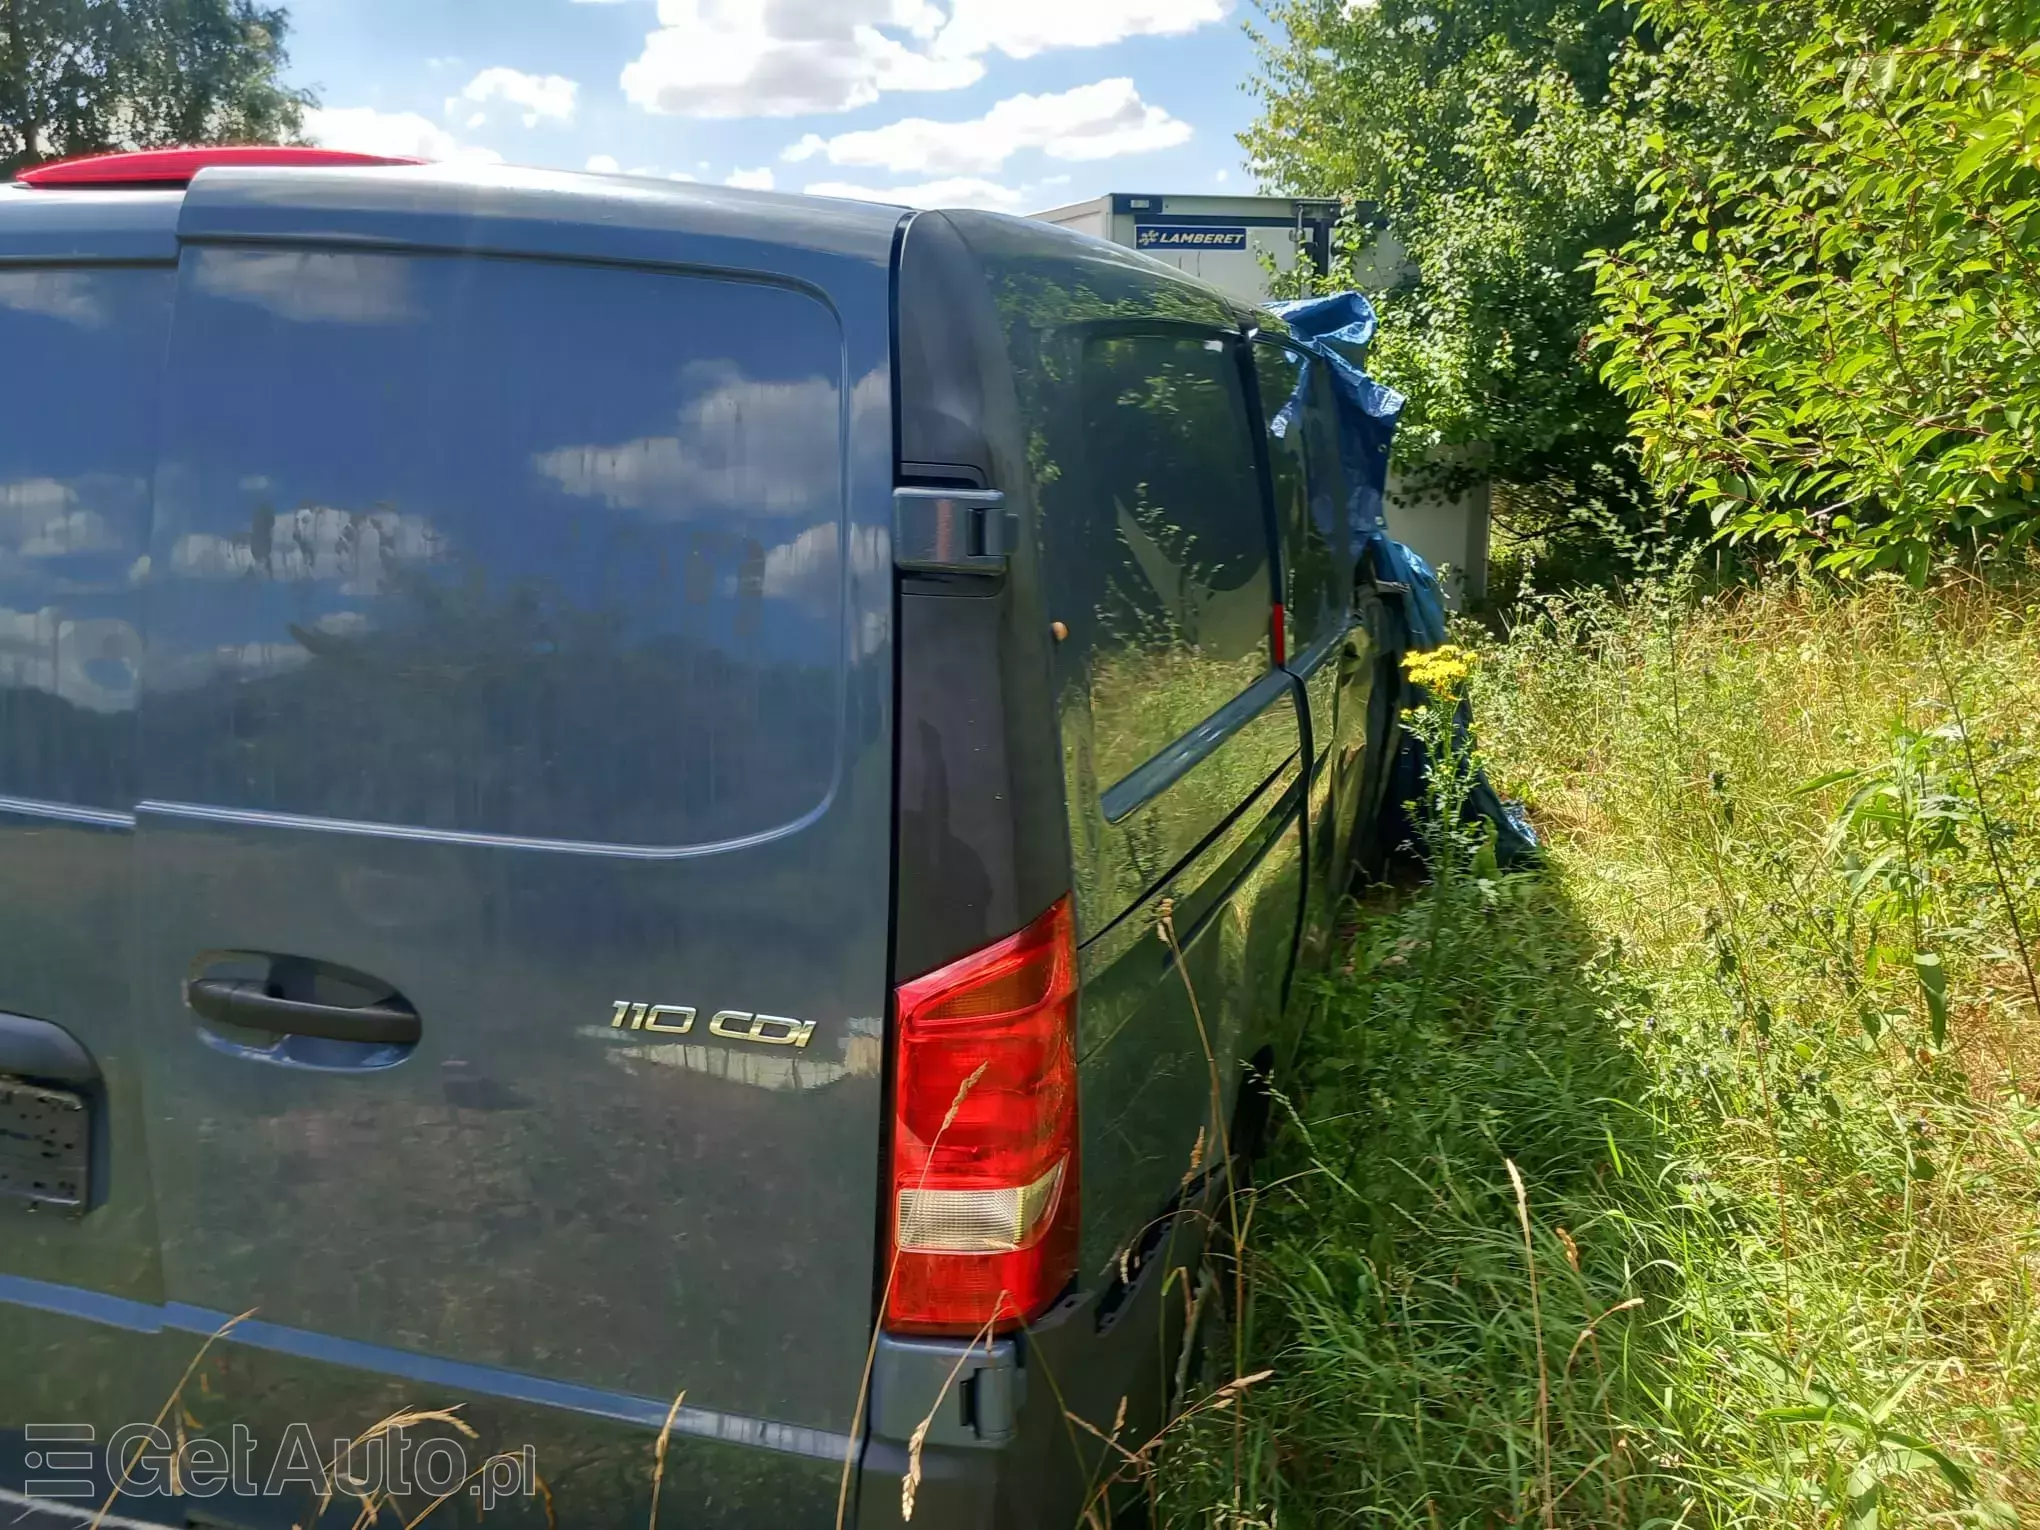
(513, 858)
(85, 293)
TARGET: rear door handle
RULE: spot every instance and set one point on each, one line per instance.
(239, 1001)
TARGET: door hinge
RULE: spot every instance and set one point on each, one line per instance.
(952, 531)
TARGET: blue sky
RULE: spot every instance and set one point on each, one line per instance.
(1012, 104)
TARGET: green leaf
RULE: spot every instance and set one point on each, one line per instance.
(1821, 783)
(1934, 987)
(1955, 1475)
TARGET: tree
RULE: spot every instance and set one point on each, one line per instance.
(84, 76)
(1839, 355)
(1498, 141)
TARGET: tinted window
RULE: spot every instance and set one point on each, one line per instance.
(83, 353)
(1164, 546)
(498, 546)
(1303, 452)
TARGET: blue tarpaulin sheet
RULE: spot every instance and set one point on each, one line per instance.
(1337, 329)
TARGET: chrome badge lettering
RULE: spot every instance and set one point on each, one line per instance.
(729, 1024)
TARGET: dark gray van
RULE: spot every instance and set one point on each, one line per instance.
(613, 791)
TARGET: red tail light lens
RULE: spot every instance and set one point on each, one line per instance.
(984, 1151)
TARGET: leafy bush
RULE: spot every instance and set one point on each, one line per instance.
(1838, 353)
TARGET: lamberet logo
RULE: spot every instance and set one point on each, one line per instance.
(1187, 236)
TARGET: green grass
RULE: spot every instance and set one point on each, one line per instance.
(1762, 1044)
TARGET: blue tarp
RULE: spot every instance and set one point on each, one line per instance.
(1337, 329)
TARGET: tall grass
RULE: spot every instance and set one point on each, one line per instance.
(1694, 1180)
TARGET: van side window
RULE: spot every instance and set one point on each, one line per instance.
(84, 354)
(508, 547)
(1172, 579)
(1303, 453)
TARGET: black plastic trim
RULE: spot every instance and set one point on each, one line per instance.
(944, 334)
(981, 842)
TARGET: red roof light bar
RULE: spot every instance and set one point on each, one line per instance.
(176, 167)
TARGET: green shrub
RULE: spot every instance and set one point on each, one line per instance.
(1838, 353)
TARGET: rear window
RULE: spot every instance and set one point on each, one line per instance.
(498, 546)
(83, 354)
(1171, 574)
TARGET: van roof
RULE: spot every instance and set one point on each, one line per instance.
(451, 207)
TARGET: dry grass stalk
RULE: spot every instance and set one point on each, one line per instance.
(1537, 1327)
(659, 1456)
(856, 1442)
(910, 1485)
(121, 1476)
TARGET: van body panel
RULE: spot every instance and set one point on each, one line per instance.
(76, 459)
(1176, 996)
(523, 645)
(546, 214)
(105, 228)
(594, 1449)
(507, 623)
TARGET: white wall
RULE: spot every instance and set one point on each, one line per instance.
(1449, 531)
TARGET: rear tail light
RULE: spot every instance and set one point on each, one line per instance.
(984, 1149)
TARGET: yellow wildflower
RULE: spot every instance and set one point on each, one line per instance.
(1441, 671)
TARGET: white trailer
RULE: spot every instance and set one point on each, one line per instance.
(1221, 240)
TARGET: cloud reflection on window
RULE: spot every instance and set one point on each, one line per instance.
(752, 447)
(91, 663)
(65, 295)
(311, 286)
(358, 550)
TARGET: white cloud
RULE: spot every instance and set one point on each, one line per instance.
(1023, 28)
(607, 164)
(1096, 121)
(957, 191)
(66, 295)
(402, 134)
(751, 180)
(784, 58)
(544, 97)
